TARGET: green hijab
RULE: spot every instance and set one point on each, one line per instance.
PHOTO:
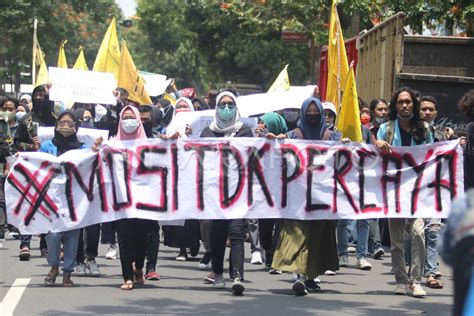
(275, 123)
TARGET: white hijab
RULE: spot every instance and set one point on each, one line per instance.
(230, 127)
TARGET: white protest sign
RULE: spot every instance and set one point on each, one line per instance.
(84, 135)
(198, 120)
(155, 84)
(261, 103)
(225, 178)
(71, 85)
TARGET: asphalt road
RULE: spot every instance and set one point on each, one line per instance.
(182, 291)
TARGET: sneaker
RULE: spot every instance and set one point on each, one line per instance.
(317, 280)
(2, 242)
(81, 270)
(343, 261)
(400, 289)
(311, 285)
(363, 264)
(416, 290)
(237, 287)
(299, 288)
(44, 252)
(274, 271)
(219, 282)
(111, 253)
(438, 275)
(92, 268)
(152, 275)
(378, 253)
(205, 262)
(256, 258)
(24, 253)
(330, 272)
(182, 256)
(351, 249)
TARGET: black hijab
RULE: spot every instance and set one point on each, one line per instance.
(71, 142)
(43, 109)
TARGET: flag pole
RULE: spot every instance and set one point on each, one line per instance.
(35, 43)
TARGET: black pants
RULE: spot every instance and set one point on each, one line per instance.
(108, 233)
(269, 229)
(90, 236)
(152, 247)
(132, 235)
(234, 229)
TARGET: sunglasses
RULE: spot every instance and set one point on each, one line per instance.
(230, 105)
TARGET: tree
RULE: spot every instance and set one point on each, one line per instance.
(80, 22)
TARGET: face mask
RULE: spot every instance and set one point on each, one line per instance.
(130, 125)
(66, 131)
(290, 116)
(87, 123)
(182, 110)
(313, 119)
(404, 118)
(19, 115)
(148, 126)
(226, 114)
(379, 120)
(365, 119)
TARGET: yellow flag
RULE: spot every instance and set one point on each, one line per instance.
(282, 82)
(62, 63)
(348, 120)
(108, 57)
(338, 67)
(43, 76)
(80, 63)
(170, 98)
(130, 79)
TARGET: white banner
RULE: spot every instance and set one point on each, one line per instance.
(85, 135)
(262, 103)
(220, 178)
(198, 120)
(70, 85)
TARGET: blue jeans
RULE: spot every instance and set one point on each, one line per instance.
(362, 237)
(432, 229)
(70, 240)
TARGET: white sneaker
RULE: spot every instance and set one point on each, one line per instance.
(219, 282)
(400, 289)
(317, 280)
(237, 287)
(363, 264)
(256, 258)
(81, 270)
(416, 290)
(2, 241)
(330, 272)
(111, 253)
(93, 268)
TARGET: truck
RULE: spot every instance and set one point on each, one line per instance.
(386, 58)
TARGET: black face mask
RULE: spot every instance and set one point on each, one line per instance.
(148, 126)
(313, 119)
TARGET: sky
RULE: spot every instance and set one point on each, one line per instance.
(128, 7)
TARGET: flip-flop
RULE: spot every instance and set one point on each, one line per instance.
(127, 286)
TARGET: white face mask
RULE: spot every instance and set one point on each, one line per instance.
(19, 115)
(130, 125)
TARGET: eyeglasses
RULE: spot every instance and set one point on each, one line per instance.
(66, 123)
(230, 105)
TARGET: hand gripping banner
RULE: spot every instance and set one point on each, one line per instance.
(227, 178)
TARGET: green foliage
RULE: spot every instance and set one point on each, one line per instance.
(78, 21)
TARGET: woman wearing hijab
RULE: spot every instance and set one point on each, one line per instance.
(132, 232)
(268, 228)
(186, 236)
(65, 139)
(308, 248)
(227, 124)
(43, 108)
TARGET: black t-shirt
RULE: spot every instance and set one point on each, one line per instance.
(406, 137)
(244, 131)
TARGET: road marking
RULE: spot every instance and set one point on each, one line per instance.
(11, 300)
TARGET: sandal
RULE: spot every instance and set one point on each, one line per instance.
(127, 285)
(139, 277)
(432, 283)
(51, 278)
